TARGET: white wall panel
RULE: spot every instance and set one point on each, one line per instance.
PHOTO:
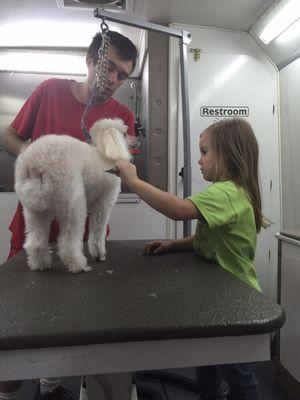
(290, 143)
(290, 301)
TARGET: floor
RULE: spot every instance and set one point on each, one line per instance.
(169, 390)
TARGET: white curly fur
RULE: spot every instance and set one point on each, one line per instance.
(63, 178)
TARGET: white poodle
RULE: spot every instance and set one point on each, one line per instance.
(63, 178)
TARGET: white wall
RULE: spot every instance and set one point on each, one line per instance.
(290, 144)
(232, 71)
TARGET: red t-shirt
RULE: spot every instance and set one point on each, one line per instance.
(52, 108)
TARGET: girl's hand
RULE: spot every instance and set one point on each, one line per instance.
(158, 247)
(127, 172)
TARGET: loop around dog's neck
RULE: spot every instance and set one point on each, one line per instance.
(87, 135)
(84, 130)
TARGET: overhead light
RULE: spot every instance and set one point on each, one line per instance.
(291, 33)
(280, 17)
(110, 5)
(100, 2)
(43, 62)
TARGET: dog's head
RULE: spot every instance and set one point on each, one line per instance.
(109, 137)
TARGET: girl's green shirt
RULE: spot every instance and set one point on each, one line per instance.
(226, 231)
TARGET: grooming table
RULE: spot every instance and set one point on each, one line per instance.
(132, 312)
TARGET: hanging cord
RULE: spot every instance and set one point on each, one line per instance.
(101, 76)
(84, 129)
(102, 64)
(83, 388)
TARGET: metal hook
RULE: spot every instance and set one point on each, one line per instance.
(104, 26)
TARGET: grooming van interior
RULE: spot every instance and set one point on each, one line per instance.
(136, 326)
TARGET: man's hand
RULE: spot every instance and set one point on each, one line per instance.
(127, 172)
(24, 147)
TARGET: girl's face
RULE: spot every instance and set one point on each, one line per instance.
(210, 167)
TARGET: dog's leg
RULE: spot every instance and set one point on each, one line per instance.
(70, 245)
(98, 221)
(97, 231)
(36, 243)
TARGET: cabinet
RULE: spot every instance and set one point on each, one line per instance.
(289, 298)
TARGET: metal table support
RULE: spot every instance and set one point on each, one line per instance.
(184, 39)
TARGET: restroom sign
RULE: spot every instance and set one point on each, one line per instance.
(224, 111)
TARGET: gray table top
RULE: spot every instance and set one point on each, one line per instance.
(129, 297)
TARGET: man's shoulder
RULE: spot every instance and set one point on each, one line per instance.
(55, 83)
(119, 105)
(118, 109)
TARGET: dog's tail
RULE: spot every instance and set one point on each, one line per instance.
(30, 186)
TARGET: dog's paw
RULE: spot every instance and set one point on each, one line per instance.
(100, 258)
(81, 269)
(38, 259)
(93, 252)
(40, 267)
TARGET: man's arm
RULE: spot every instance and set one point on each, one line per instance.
(12, 143)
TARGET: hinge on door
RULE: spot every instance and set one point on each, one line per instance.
(269, 254)
(271, 184)
(273, 108)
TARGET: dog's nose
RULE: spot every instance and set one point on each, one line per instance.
(133, 142)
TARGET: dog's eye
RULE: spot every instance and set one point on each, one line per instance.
(132, 141)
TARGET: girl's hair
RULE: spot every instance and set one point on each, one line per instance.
(236, 147)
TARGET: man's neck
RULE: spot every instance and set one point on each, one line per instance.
(80, 91)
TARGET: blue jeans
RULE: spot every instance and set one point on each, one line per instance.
(239, 377)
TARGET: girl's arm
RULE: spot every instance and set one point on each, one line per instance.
(166, 246)
(166, 203)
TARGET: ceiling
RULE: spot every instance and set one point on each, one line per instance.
(23, 21)
(230, 14)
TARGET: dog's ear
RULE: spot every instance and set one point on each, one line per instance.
(109, 137)
(119, 124)
(113, 145)
(102, 124)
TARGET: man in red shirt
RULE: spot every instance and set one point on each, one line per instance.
(57, 106)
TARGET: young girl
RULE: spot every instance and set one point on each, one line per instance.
(229, 218)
